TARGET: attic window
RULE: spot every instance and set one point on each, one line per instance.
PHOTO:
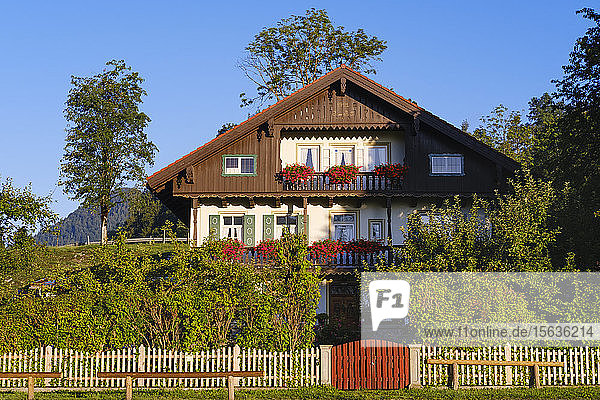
(239, 165)
(446, 164)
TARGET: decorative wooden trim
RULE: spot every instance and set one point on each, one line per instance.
(343, 86)
(251, 202)
(189, 175)
(329, 202)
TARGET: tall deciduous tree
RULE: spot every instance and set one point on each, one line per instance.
(568, 148)
(299, 49)
(21, 209)
(506, 131)
(106, 143)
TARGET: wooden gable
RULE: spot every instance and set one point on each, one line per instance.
(333, 109)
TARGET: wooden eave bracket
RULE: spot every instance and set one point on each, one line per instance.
(342, 86)
(416, 124)
(189, 175)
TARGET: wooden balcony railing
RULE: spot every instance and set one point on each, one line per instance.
(365, 182)
(345, 259)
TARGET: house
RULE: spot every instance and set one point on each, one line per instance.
(229, 187)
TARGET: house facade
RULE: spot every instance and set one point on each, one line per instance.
(232, 187)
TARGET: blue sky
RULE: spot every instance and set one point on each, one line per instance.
(457, 59)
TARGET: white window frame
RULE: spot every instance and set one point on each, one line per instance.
(335, 151)
(279, 228)
(316, 155)
(237, 171)
(354, 224)
(367, 159)
(447, 173)
(224, 234)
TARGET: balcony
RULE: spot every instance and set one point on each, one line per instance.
(319, 183)
(387, 256)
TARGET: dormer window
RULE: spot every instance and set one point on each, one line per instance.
(447, 164)
(234, 165)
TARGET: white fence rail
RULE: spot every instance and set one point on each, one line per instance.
(582, 366)
(79, 369)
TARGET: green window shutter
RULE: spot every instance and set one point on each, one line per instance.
(268, 227)
(300, 224)
(214, 222)
(249, 230)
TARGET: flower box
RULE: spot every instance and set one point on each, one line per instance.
(297, 172)
(326, 249)
(363, 246)
(342, 173)
(391, 171)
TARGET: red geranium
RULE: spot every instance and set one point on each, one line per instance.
(297, 172)
(325, 249)
(391, 171)
(267, 248)
(363, 246)
(342, 173)
(232, 249)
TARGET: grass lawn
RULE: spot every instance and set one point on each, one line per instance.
(326, 393)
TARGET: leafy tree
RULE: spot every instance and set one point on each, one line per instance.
(106, 144)
(225, 127)
(512, 233)
(567, 147)
(300, 49)
(21, 209)
(148, 216)
(506, 132)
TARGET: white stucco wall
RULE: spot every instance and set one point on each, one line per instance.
(329, 141)
(320, 226)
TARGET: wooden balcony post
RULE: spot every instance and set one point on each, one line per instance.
(389, 220)
(305, 222)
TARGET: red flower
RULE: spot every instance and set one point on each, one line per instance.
(342, 173)
(391, 171)
(267, 248)
(297, 172)
(326, 249)
(363, 246)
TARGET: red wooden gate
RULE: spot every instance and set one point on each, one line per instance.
(374, 364)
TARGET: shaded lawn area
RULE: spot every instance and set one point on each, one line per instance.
(324, 393)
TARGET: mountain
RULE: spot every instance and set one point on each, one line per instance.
(83, 222)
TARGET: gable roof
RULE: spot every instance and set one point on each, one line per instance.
(303, 94)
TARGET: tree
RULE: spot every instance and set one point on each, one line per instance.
(567, 146)
(106, 143)
(148, 216)
(21, 209)
(506, 132)
(301, 48)
(225, 127)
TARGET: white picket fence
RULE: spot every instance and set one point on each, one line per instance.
(79, 369)
(582, 366)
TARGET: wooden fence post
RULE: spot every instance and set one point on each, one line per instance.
(30, 382)
(325, 363)
(508, 369)
(415, 366)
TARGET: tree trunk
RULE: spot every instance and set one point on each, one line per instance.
(103, 224)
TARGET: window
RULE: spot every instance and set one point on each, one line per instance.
(447, 164)
(285, 223)
(376, 229)
(233, 227)
(309, 156)
(239, 165)
(376, 155)
(344, 227)
(343, 156)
